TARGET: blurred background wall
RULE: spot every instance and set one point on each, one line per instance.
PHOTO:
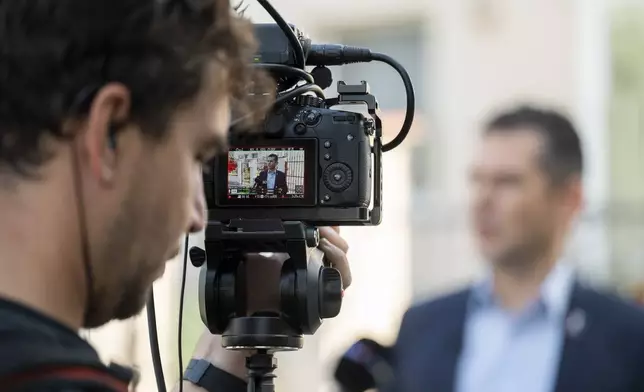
(467, 59)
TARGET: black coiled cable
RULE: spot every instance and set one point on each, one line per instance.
(184, 270)
(154, 343)
(411, 99)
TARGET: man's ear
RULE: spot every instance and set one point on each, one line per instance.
(110, 107)
(574, 194)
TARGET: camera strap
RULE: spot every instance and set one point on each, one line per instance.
(39, 367)
(48, 376)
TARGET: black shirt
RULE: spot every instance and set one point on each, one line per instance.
(30, 340)
(33, 342)
(20, 324)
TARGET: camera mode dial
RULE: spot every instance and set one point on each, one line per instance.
(337, 177)
(309, 100)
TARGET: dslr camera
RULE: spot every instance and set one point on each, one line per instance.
(310, 162)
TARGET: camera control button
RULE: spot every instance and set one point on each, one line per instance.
(330, 292)
(338, 177)
(311, 117)
(300, 129)
(327, 157)
(327, 144)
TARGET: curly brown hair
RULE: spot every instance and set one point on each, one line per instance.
(54, 51)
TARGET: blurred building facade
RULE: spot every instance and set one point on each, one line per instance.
(467, 59)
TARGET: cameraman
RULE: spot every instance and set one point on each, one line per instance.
(108, 110)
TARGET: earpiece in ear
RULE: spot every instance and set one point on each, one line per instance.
(111, 137)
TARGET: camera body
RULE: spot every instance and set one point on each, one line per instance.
(310, 163)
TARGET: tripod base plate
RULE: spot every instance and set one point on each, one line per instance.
(268, 333)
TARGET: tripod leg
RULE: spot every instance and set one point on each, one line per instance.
(260, 372)
(261, 383)
(267, 383)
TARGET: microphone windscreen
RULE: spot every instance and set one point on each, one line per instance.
(356, 370)
(353, 377)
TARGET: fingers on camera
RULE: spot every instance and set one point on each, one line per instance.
(334, 238)
(338, 259)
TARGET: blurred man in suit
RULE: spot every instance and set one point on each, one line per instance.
(272, 180)
(530, 326)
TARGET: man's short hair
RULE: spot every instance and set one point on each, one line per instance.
(562, 157)
(274, 157)
(56, 54)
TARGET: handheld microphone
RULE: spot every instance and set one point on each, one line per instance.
(366, 365)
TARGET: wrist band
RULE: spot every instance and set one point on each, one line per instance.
(203, 374)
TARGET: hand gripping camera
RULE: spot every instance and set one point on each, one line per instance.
(311, 165)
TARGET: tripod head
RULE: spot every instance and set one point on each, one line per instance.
(310, 291)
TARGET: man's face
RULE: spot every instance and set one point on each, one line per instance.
(272, 163)
(515, 209)
(156, 197)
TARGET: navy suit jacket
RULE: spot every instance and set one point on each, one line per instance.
(280, 181)
(607, 355)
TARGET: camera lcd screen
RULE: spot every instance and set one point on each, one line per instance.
(269, 175)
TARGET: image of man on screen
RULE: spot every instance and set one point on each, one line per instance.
(271, 180)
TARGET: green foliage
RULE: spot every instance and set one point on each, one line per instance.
(192, 327)
(628, 49)
(626, 141)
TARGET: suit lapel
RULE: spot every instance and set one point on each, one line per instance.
(441, 373)
(429, 346)
(577, 341)
(453, 348)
